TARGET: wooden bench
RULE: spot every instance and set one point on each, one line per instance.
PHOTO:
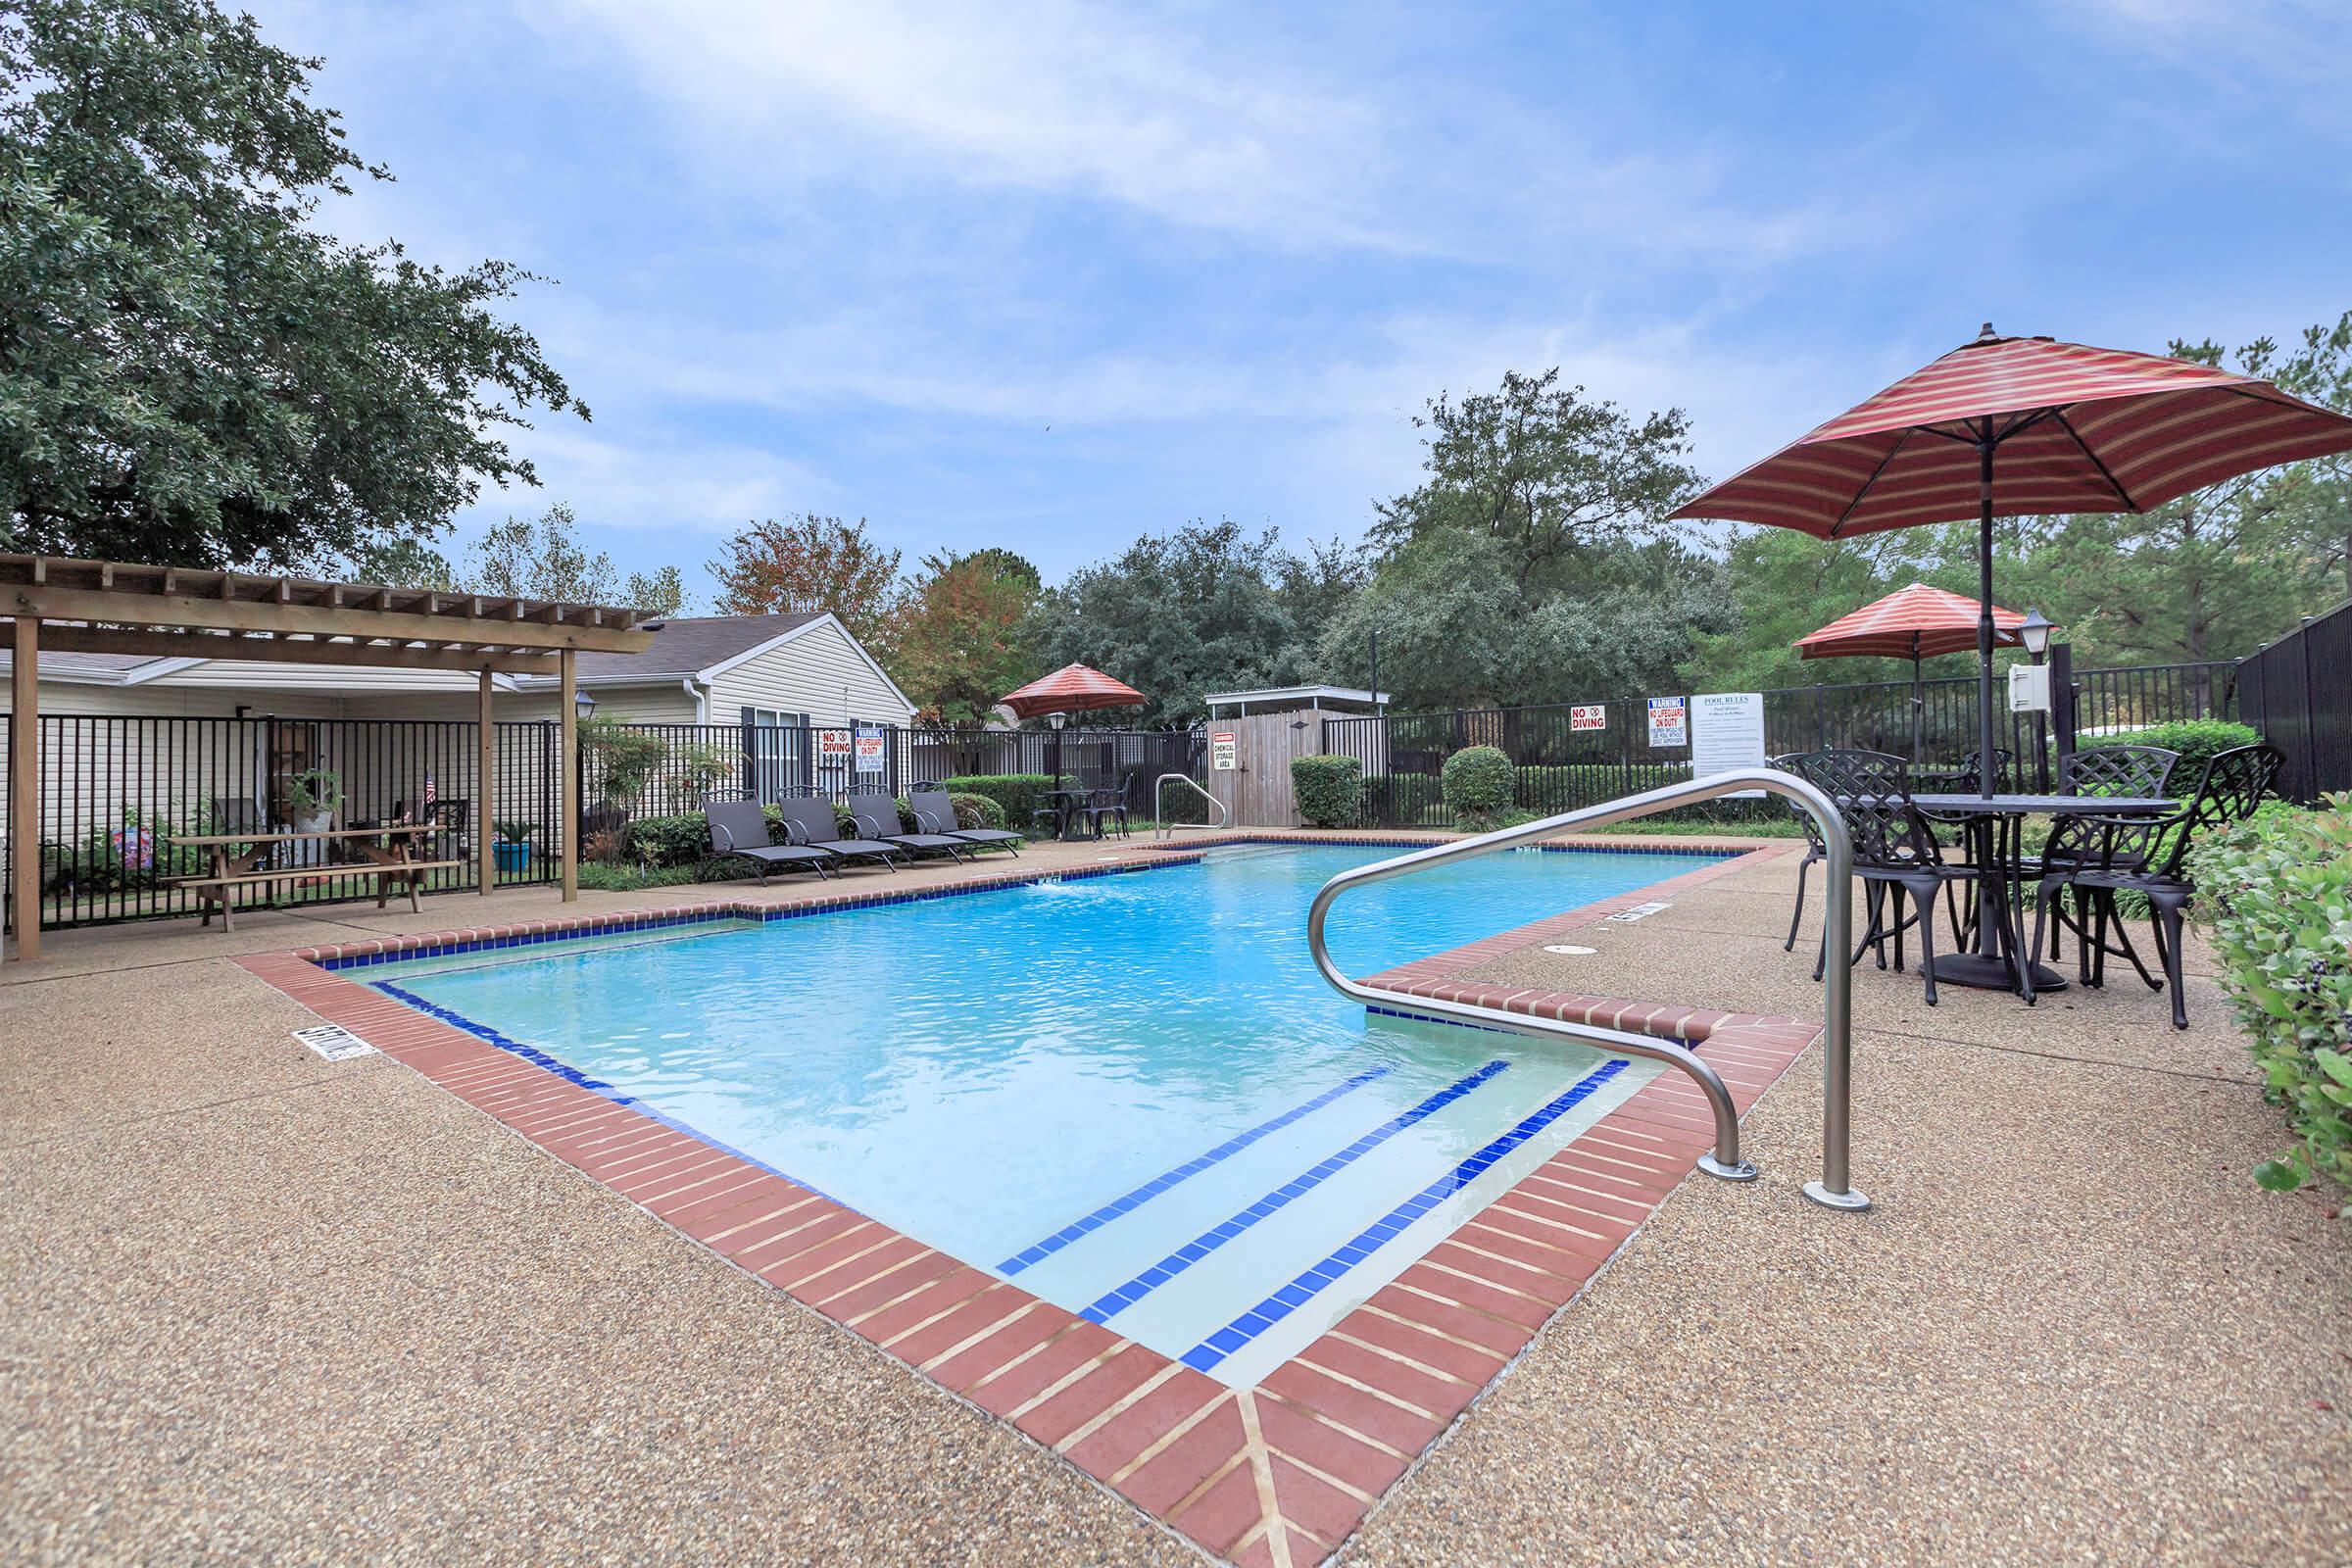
(390, 867)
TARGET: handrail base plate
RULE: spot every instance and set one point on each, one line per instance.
(1849, 1201)
(1741, 1172)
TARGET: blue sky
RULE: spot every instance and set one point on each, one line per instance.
(1050, 276)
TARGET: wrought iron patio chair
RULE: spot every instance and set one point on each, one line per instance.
(1896, 853)
(1815, 851)
(2138, 771)
(2148, 856)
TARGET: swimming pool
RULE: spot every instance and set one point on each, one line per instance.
(1128, 1093)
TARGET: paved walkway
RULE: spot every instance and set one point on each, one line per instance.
(253, 1304)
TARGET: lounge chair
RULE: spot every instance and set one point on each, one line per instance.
(934, 812)
(877, 818)
(739, 832)
(811, 824)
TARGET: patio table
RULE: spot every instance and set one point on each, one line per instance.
(1994, 823)
(1065, 803)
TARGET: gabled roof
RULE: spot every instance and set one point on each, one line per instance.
(688, 645)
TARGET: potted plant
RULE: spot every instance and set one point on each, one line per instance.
(514, 847)
(313, 797)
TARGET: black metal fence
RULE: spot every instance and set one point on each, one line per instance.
(1575, 755)
(637, 770)
(119, 794)
(2298, 692)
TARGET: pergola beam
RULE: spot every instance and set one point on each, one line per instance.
(48, 602)
(149, 642)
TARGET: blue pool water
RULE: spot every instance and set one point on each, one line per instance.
(1131, 1093)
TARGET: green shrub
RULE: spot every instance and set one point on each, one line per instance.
(1479, 784)
(1329, 790)
(977, 811)
(2276, 893)
(1018, 794)
(665, 841)
(2197, 740)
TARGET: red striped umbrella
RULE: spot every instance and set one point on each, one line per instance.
(1072, 689)
(2077, 429)
(1915, 623)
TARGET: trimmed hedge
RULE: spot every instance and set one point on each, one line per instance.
(1479, 783)
(1329, 790)
(2197, 740)
(1019, 796)
(2276, 894)
(977, 811)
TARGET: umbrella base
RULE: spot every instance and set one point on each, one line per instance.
(1987, 972)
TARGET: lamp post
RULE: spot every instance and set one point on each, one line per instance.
(2034, 632)
(583, 705)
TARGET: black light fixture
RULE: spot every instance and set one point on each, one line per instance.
(583, 704)
(2034, 632)
(1058, 719)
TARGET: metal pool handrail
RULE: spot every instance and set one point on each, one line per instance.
(1833, 1189)
(1162, 828)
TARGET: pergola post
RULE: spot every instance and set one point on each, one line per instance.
(568, 741)
(25, 797)
(483, 791)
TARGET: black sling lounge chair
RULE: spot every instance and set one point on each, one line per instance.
(812, 824)
(877, 817)
(739, 832)
(934, 812)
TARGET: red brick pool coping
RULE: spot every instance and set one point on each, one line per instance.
(1277, 1474)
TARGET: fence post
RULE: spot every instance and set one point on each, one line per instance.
(1821, 721)
(2308, 771)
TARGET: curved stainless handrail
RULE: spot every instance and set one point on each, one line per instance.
(1162, 828)
(1833, 1189)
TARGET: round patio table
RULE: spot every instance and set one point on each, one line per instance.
(1993, 822)
(1065, 803)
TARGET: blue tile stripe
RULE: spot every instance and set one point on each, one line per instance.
(1190, 1168)
(1207, 1242)
(1373, 1237)
(572, 1075)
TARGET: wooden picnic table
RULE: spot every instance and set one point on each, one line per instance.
(388, 865)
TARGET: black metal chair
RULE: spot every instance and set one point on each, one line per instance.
(1108, 806)
(2140, 771)
(1966, 774)
(2148, 856)
(1815, 851)
(1895, 852)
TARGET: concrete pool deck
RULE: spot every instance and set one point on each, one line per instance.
(258, 1304)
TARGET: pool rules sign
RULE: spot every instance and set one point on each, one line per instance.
(1727, 731)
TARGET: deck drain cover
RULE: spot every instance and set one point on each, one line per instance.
(334, 1042)
(1570, 949)
(1639, 911)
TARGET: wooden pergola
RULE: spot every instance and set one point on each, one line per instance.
(102, 607)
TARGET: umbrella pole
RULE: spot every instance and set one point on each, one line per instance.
(1918, 704)
(1985, 731)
